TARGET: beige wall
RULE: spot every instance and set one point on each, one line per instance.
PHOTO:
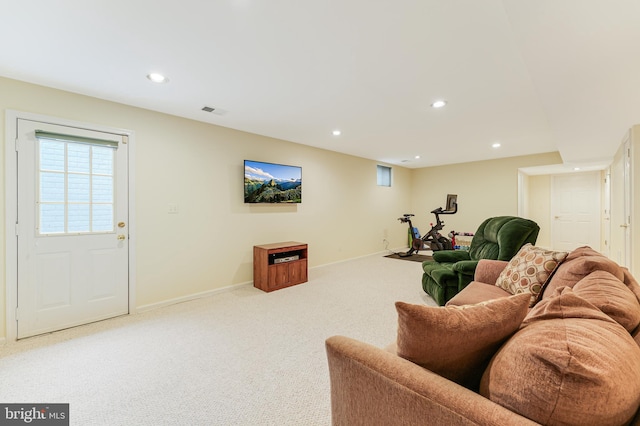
(484, 188)
(539, 201)
(199, 166)
(208, 245)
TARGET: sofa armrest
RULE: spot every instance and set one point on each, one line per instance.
(372, 386)
(488, 270)
(465, 267)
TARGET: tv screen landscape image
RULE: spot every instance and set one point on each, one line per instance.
(272, 183)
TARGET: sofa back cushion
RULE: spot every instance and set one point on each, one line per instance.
(568, 364)
(577, 265)
(631, 282)
(612, 297)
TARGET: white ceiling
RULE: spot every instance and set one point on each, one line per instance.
(536, 76)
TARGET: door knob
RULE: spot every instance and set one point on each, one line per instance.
(121, 237)
(121, 224)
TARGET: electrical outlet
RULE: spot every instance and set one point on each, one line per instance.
(173, 208)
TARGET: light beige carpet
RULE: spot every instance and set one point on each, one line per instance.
(242, 357)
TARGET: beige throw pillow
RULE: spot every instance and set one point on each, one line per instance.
(528, 270)
(457, 342)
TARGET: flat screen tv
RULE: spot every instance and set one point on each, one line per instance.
(272, 183)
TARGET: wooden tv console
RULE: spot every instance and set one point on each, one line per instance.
(279, 265)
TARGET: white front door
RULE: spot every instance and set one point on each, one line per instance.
(575, 210)
(72, 227)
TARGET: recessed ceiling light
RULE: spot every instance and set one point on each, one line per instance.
(496, 145)
(157, 77)
(417, 157)
(337, 132)
(576, 168)
(439, 104)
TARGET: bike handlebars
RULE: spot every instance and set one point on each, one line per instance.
(405, 217)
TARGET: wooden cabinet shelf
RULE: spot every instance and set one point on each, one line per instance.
(279, 265)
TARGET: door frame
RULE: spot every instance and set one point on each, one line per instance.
(11, 208)
(626, 151)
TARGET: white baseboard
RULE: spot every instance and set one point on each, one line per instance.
(208, 293)
(195, 296)
(380, 253)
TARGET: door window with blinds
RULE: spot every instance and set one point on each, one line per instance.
(75, 184)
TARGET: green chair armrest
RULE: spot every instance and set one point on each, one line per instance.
(466, 267)
(450, 256)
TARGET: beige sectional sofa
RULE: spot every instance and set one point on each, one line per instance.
(507, 350)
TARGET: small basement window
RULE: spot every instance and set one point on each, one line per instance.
(384, 175)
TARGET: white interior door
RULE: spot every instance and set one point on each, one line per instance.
(575, 211)
(72, 227)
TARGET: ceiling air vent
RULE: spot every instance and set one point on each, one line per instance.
(213, 110)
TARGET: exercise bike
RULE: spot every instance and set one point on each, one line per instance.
(432, 240)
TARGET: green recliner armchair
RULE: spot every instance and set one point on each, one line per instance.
(497, 238)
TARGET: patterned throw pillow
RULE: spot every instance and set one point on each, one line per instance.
(529, 269)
